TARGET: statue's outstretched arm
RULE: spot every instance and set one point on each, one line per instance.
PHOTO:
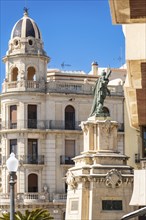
(108, 73)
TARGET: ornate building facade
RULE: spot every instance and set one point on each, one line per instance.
(41, 110)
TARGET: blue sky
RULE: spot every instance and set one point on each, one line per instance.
(74, 32)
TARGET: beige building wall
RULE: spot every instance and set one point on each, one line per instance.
(131, 141)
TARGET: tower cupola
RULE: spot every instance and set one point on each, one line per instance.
(26, 61)
(26, 27)
(26, 37)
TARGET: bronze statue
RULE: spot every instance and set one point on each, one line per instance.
(100, 92)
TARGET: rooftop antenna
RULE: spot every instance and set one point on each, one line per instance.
(120, 58)
(63, 64)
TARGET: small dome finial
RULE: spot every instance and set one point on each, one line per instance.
(25, 11)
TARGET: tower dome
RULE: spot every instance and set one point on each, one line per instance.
(26, 37)
(25, 27)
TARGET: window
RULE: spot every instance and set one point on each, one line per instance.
(14, 74)
(137, 8)
(31, 73)
(69, 151)
(13, 116)
(112, 205)
(32, 151)
(144, 141)
(13, 146)
(30, 42)
(33, 183)
(69, 118)
(32, 116)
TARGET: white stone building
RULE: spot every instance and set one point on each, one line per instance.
(41, 110)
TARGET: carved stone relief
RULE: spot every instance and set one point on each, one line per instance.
(71, 180)
(113, 179)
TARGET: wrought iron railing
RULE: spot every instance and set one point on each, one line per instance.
(27, 159)
(66, 160)
(33, 159)
(41, 124)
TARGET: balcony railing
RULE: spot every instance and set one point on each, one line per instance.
(30, 159)
(33, 197)
(40, 124)
(27, 159)
(65, 160)
(59, 197)
(24, 85)
(68, 87)
(56, 87)
(25, 198)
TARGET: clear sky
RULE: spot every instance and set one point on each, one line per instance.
(74, 32)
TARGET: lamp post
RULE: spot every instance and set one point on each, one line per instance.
(12, 166)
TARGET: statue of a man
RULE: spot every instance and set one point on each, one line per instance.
(100, 92)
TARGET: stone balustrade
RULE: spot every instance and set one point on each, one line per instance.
(59, 197)
(25, 198)
(56, 87)
(23, 85)
(33, 197)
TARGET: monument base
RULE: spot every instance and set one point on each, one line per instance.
(100, 183)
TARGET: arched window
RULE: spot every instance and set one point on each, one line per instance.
(32, 182)
(14, 74)
(106, 111)
(69, 118)
(31, 73)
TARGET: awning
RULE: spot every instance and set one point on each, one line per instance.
(139, 190)
(136, 213)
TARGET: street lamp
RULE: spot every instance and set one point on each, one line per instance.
(12, 166)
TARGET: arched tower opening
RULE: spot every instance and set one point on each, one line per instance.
(31, 73)
(14, 75)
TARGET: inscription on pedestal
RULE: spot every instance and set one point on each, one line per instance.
(74, 205)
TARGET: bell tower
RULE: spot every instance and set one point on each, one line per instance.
(23, 108)
(25, 59)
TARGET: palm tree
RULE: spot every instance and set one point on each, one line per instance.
(37, 214)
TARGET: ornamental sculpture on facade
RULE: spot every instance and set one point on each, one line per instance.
(70, 180)
(113, 179)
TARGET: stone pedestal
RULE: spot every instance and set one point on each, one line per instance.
(100, 134)
(100, 183)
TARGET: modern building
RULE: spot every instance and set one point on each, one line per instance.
(41, 112)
